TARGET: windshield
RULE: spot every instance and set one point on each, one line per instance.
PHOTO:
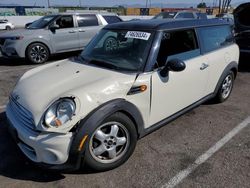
(165, 15)
(120, 50)
(42, 22)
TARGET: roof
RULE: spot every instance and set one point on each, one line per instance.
(86, 12)
(166, 24)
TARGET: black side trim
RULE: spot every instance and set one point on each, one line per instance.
(174, 116)
(134, 90)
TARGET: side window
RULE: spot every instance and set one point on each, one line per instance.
(185, 15)
(112, 19)
(188, 15)
(87, 20)
(215, 37)
(177, 44)
(65, 22)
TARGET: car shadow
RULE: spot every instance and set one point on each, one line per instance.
(21, 61)
(14, 165)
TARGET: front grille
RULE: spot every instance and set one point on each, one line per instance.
(23, 116)
(2, 41)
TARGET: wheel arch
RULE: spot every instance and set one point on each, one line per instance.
(40, 42)
(85, 126)
(113, 106)
(233, 66)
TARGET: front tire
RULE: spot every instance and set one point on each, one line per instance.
(111, 143)
(225, 88)
(8, 28)
(37, 53)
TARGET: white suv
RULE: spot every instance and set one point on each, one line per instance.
(132, 78)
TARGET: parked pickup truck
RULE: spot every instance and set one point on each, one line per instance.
(54, 34)
(181, 15)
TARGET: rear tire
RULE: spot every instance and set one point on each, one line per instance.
(225, 88)
(37, 53)
(111, 143)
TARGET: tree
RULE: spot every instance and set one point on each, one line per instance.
(202, 5)
(224, 5)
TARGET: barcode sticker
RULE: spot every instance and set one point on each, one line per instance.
(138, 35)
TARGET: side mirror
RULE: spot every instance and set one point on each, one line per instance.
(54, 27)
(175, 65)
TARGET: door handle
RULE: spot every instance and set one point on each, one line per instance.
(204, 66)
(72, 31)
(80, 30)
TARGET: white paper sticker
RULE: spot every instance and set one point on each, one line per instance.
(138, 35)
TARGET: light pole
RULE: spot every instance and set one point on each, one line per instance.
(80, 3)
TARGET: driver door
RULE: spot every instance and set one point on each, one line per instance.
(178, 90)
(66, 37)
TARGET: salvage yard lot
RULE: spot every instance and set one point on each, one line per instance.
(158, 157)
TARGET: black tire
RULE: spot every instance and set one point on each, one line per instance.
(8, 28)
(104, 164)
(37, 53)
(222, 95)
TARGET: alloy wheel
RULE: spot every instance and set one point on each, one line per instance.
(38, 54)
(227, 86)
(109, 142)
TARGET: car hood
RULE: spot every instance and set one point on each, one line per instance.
(37, 89)
(18, 32)
(241, 18)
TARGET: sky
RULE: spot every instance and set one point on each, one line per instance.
(100, 2)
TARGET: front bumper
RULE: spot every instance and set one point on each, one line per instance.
(46, 148)
(9, 52)
(12, 49)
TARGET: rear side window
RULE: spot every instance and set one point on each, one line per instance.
(178, 44)
(215, 37)
(87, 20)
(201, 15)
(112, 19)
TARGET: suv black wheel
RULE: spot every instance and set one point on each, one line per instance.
(37, 53)
(225, 87)
(111, 143)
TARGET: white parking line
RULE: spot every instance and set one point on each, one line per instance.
(184, 173)
(10, 70)
(2, 107)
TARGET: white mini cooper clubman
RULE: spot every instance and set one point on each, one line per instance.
(131, 79)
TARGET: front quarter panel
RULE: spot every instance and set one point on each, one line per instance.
(41, 36)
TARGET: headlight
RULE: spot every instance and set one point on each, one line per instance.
(60, 113)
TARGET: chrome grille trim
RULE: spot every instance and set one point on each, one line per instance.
(23, 116)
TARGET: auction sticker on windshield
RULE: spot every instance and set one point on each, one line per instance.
(138, 35)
